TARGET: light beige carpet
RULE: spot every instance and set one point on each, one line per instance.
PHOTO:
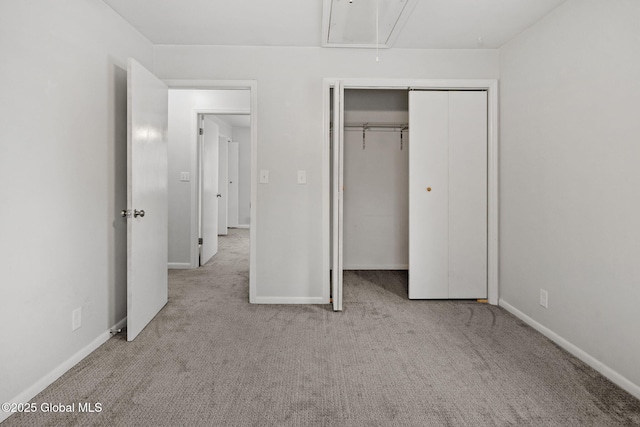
(210, 358)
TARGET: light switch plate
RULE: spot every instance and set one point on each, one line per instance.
(264, 176)
(302, 177)
(184, 177)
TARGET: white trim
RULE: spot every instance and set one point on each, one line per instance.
(493, 206)
(252, 86)
(326, 193)
(49, 378)
(613, 376)
(376, 267)
(179, 265)
(210, 84)
(253, 231)
(242, 226)
(288, 300)
(491, 86)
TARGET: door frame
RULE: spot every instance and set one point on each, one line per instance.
(252, 87)
(195, 135)
(491, 86)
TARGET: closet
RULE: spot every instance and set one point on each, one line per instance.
(409, 188)
(376, 172)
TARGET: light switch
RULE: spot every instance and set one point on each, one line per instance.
(302, 177)
(264, 176)
(184, 176)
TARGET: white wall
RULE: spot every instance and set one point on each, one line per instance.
(224, 128)
(290, 129)
(242, 136)
(376, 180)
(63, 169)
(569, 178)
(183, 216)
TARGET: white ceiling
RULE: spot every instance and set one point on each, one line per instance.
(433, 24)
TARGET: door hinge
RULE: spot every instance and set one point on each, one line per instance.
(201, 131)
(200, 241)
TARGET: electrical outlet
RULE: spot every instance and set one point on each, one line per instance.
(76, 318)
(544, 298)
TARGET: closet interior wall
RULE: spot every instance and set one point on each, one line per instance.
(376, 173)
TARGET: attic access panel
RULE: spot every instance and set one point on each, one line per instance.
(364, 23)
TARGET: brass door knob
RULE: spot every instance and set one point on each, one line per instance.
(428, 188)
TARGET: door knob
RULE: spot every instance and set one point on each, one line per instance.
(219, 195)
(138, 213)
(125, 213)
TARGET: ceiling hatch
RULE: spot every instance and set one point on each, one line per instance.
(364, 23)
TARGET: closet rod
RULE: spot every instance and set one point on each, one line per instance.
(370, 126)
(378, 125)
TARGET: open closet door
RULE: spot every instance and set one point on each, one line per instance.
(147, 208)
(338, 189)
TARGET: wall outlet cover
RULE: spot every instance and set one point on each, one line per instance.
(76, 318)
(302, 177)
(544, 298)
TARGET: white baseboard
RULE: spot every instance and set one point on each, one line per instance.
(242, 226)
(179, 265)
(613, 376)
(376, 267)
(289, 300)
(61, 369)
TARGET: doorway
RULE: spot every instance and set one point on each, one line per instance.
(336, 188)
(376, 190)
(224, 178)
(233, 98)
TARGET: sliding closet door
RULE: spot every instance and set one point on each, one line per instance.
(467, 194)
(447, 194)
(428, 195)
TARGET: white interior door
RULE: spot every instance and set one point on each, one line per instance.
(209, 195)
(232, 188)
(223, 184)
(447, 194)
(337, 149)
(147, 224)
